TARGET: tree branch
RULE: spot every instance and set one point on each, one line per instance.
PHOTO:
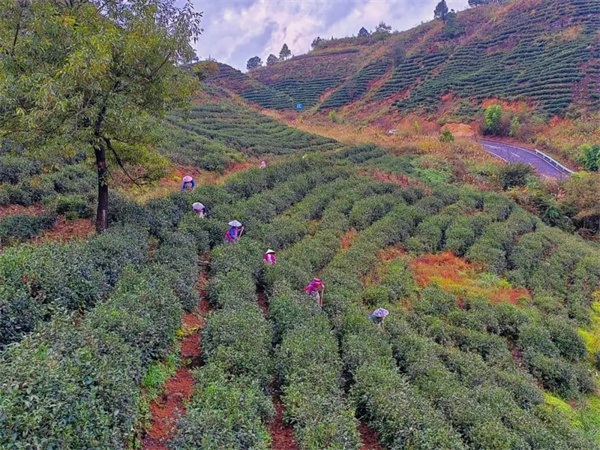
(14, 44)
(155, 71)
(119, 161)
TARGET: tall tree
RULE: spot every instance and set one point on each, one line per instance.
(441, 11)
(254, 62)
(271, 60)
(94, 76)
(285, 52)
(363, 32)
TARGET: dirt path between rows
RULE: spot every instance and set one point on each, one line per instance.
(369, 437)
(282, 435)
(167, 409)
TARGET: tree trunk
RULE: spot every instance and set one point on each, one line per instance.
(102, 213)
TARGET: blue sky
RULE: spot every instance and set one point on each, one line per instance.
(235, 30)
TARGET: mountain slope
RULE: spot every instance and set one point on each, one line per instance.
(545, 53)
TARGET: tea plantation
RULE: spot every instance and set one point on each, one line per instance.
(83, 322)
(543, 53)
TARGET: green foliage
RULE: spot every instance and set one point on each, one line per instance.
(493, 120)
(90, 368)
(254, 63)
(590, 157)
(14, 169)
(514, 174)
(446, 136)
(285, 52)
(74, 207)
(225, 412)
(441, 11)
(21, 228)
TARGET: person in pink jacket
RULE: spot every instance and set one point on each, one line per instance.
(316, 289)
(269, 257)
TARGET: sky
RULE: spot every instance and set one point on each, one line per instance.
(236, 30)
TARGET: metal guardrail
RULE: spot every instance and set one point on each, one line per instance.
(552, 161)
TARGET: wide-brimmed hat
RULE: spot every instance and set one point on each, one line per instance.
(187, 179)
(270, 251)
(235, 223)
(380, 312)
(197, 205)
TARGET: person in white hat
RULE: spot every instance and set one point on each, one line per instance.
(188, 182)
(269, 257)
(235, 231)
(199, 209)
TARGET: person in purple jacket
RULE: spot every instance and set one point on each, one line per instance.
(235, 231)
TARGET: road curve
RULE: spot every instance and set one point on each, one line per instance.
(510, 153)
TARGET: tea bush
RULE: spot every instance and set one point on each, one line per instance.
(43, 279)
(21, 228)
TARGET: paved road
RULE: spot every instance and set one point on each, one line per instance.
(517, 154)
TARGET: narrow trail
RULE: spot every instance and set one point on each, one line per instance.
(282, 435)
(166, 409)
(369, 437)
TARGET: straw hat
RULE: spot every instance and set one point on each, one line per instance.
(187, 179)
(270, 251)
(235, 223)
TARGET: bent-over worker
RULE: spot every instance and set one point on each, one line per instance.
(316, 289)
(269, 257)
(199, 209)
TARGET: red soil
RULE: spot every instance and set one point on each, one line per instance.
(66, 230)
(369, 437)
(262, 302)
(14, 210)
(166, 410)
(282, 436)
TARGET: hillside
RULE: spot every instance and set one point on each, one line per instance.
(462, 301)
(481, 349)
(541, 53)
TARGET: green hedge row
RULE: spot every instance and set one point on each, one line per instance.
(74, 382)
(39, 281)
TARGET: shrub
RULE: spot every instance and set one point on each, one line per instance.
(403, 417)
(435, 301)
(14, 169)
(446, 136)
(460, 235)
(225, 412)
(23, 227)
(76, 206)
(590, 157)
(239, 341)
(514, 174)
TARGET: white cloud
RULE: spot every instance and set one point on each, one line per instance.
(236, 30)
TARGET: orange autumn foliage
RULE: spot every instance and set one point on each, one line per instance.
(462, 278)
